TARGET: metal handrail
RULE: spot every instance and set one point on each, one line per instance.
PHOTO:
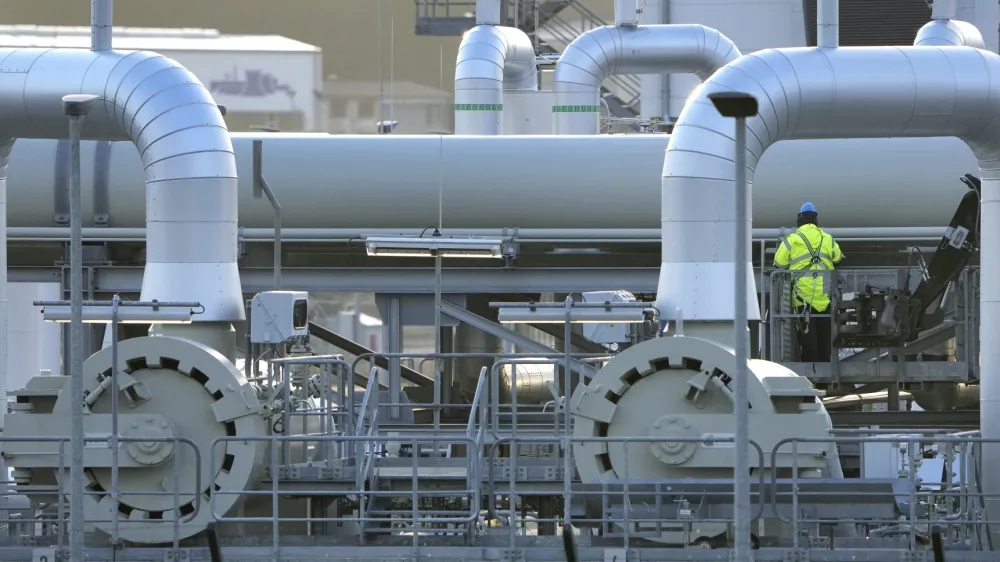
(913, 493)
(478, 411)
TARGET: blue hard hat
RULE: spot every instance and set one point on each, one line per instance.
(807, 208)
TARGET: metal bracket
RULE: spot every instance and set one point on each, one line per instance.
(510, 246)
(913, 556)
(798, 555)
(177, 555)
(60, 184)
(512, 555)
(102, 184)
(241, 243)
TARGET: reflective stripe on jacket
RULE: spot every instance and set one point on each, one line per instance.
(807, 250)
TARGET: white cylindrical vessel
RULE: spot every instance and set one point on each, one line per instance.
(608, 181)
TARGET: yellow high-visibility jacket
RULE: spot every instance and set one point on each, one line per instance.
(805, 250)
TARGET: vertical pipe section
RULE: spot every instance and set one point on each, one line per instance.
(76, 343)
(100, 24)
(488, 12)
(654, 101)
(626, 13)
(944, 9)
(828, 24)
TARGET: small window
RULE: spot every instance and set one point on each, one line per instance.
(300, 315)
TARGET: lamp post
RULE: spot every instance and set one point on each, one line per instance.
(740, 106)
(76, 107)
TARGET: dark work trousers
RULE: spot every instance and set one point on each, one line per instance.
(815, 343)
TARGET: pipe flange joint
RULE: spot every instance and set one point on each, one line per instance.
(672, 452)
(156, 451)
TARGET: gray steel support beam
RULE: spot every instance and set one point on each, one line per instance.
(948, 419)
(355, 348)
(515, 338)
(864, 371)
(390, 280)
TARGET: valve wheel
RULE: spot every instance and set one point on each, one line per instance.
(186, 383)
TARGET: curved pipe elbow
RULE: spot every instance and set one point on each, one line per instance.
(813, 93)
(501, 57)
(949, 33)
(646, 49)
(182, 139)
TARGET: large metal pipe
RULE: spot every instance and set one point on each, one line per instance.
(490, 59)
(606, 182)
(186, 158)
(827, 93)
(524, 235)
(613, 50)
(945, 30)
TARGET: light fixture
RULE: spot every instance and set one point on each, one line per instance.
(126, 314)
(431, 246)
(524, 315)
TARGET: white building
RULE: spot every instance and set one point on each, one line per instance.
(265, 80)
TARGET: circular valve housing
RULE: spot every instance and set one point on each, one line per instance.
(652, 390)
(675, 388)
(181, 386)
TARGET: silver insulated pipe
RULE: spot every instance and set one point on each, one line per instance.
(945, 31)
(813, 93)
(490, 59)
(623, 49)
(100, 24)
(187, 156)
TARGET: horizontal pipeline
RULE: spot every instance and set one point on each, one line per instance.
(527, 235)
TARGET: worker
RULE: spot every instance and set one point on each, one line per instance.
(807, 253)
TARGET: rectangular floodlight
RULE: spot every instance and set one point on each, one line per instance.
(521, 315)
(126, 314)
(431, 246)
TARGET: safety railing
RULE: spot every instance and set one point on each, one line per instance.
(477, 426)
(367, 428)
(309, 400)
(630, 501)
(613, 498)
(920, 504)
(187, 505)
(371, 513)
(959, 320)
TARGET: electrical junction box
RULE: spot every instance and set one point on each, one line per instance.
(279, 316)
(607, 333)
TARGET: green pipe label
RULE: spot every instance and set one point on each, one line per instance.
(478, 107)
(576, 109)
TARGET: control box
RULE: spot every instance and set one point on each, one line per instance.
(279, 317)
(609, 333)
